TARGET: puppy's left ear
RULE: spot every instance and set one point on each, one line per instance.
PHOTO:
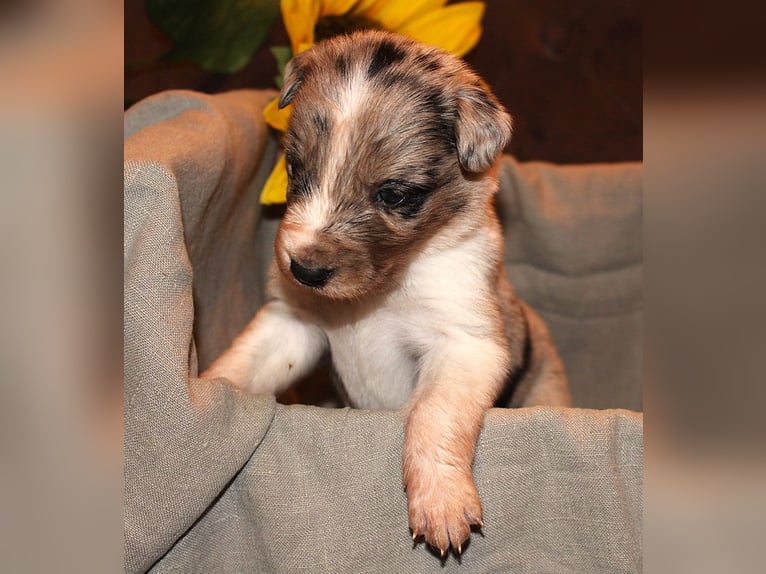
(482, 129)
(295, 73)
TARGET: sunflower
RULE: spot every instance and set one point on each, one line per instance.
(455, 28)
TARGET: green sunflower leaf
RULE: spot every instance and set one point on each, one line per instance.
(217, 35)
(282, 54)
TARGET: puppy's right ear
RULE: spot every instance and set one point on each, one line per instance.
(295, 73)
(482, 128)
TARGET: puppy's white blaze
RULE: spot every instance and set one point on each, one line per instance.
(353, 96)
(313, 215)
(351, 100)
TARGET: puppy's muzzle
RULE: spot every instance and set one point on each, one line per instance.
(310, 276)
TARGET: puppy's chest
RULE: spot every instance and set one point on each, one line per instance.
(375, 358)
(377, 347)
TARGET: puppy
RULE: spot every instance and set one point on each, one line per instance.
(390, 256)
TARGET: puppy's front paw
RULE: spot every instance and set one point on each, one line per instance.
(442, 508)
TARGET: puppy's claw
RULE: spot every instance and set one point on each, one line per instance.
(459, 549)
(442, 552)
(414, 536)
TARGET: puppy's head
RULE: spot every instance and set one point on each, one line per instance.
(389, 142)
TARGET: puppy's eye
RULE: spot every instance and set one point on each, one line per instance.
(390, 197)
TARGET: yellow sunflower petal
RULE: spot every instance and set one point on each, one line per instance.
(300, 17)
(391, 14)
(303, 46)
(363, 5)
(468, 42)
(275, 190)
(455, 28)
(276, 118)
(336, 7)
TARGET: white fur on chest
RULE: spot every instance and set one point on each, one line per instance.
(375, 360)
(377, 350)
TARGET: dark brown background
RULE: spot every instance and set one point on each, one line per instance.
(570, 72)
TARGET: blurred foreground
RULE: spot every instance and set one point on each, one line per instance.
(60, 306)
(705, 364)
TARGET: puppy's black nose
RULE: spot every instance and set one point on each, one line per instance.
(308, 276)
